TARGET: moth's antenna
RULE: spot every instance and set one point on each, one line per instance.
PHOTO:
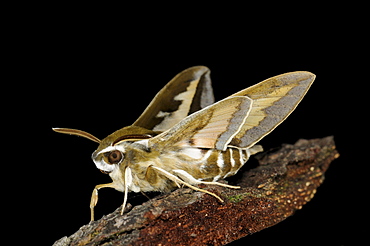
(77, 133)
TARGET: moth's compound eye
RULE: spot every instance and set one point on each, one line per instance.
(115, 157)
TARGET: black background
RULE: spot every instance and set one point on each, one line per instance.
(89, 75)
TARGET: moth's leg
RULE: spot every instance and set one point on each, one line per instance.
(94, 197)
(152, 176)
(190, 179)
(128, 176)
(177, 180)
(144, 194)
(219, 184)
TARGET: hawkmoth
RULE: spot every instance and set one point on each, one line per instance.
(183, 138)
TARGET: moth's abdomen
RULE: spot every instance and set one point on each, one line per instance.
(222, 164)
(212, 164)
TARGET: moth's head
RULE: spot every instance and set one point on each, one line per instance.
(112, 149)
(110, 153)
(109, 158)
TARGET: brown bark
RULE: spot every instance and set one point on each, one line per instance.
(285, 180)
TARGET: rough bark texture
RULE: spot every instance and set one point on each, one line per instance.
(285, 180)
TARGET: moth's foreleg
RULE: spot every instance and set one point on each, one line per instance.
(94, 197)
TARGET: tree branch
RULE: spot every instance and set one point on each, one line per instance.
(285, 180)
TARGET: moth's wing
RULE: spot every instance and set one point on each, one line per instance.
(240, 120)
(273, 101)
(212, 127)
(188, 92)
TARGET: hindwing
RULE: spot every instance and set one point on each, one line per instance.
(188, 92)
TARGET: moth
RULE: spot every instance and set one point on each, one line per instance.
(184, 138)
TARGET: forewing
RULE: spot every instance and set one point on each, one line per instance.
(188, 92)
(273, 100)
(212, 127)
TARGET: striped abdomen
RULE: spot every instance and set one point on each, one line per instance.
(212, 164)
